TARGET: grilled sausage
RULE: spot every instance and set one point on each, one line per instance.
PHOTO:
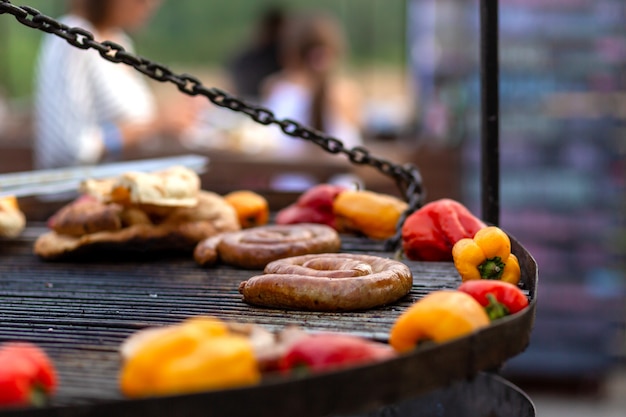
(329, 282)
(256, 247)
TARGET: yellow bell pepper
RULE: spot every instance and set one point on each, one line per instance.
(197, 355)
(440, 316)
(373, 214)
(486, 256)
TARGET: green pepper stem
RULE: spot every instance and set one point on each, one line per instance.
(492, 268)
(301, 369)
(38, 396)
(495, 309)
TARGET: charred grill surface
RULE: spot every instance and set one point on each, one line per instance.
(80, 312)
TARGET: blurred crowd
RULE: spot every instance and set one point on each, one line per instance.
(88, 110)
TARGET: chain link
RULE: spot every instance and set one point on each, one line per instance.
(407, 177)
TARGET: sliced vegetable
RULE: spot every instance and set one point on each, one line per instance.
(430, 232)
(486, 256)
(499, 298)
(440, 316)
(329, 351)
(27, 375)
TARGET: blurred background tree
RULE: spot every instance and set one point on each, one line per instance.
(203, 34)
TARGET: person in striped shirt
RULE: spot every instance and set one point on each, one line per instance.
(88, 109)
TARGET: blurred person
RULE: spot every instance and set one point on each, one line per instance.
(309, 89)
(257, 61)
(88, 109)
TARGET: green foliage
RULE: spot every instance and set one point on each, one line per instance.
(207, 32)
(19, 45)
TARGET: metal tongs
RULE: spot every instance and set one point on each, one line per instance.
(61, 180)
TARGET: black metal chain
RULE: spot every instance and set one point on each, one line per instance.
(406, 176)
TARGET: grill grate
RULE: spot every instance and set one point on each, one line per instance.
(81, 312)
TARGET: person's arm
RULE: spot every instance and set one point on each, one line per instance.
(348, 102)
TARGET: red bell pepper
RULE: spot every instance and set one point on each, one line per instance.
(499, 298)
(313, 206)
(330, 351)
(27, 375)
(429, 233)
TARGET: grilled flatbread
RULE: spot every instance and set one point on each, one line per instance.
(12, 220)
(174, 187)
(111, 226)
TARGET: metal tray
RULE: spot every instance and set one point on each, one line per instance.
(80, 313)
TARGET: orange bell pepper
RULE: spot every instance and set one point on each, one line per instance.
(252, 208)
(373, 214)
(440, 316)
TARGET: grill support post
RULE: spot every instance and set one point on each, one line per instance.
(490, 118)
